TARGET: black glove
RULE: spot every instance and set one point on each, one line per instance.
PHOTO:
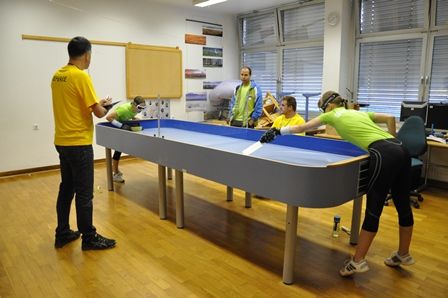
(126, 127)
(270, 135)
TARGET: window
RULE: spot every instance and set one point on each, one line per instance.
(389, 73)
(286, 59)
(393, 42)
(438, 88)
(388, 15)
(302, 73)
(264, 69)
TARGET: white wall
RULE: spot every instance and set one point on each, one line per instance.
(27, 65)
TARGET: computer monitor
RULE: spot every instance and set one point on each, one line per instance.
(437, 116)
(413, 108)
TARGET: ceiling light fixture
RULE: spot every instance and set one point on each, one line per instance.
(204, 3)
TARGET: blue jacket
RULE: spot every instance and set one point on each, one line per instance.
(254, 92)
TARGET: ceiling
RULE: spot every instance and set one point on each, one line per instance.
(232, 7)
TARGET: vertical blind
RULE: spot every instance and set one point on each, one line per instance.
(263, 49)
(259, 30)
(389, 73)
(303, 23)
(442, 13)
(264, 69)
(387, 15)
(302, 73)
(438, 89)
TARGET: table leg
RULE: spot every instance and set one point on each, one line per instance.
(248, 200)
(179, 199)
(229, 194)
(170, 174)
(356, 220)
(162, 192)
(290, 243)
(110, 182)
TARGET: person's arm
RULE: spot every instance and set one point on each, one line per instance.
(98, 109)
(313, 123)
(258, 109)
(272, 133)
(387, 119)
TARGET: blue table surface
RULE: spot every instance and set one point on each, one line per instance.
(297, 150)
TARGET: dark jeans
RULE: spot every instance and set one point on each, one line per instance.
(76, 164)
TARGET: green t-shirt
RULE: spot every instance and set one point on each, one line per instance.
(354, 126)
(125, 112)
(239, 112)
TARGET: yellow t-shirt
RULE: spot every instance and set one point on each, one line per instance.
(73, 95)
(282, 121)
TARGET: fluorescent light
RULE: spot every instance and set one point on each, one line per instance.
(204, 3)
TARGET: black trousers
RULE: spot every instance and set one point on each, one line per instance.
(389, 170)
(76, 164)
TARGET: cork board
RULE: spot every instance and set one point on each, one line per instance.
(153, 71)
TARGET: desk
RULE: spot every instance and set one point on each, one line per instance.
(431, 145)
(301, 165)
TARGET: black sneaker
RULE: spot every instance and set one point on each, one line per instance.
(63, 239)
(97, 242)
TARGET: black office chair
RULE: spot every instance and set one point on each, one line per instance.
(412, 134)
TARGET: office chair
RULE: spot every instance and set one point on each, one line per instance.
(412, 134)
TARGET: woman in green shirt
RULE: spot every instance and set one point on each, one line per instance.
(389, 170)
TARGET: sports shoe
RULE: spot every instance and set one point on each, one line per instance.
(396, 260)
(351, 267)
(118, 177)
(97, 242)
(65, 238)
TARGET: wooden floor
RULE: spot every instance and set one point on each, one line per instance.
(225, 250)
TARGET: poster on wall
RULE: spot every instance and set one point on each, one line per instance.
(210, 85)
(212, 30)
(212, 62)
(203, 67)
(152, 110)
(196, 101)
(195, 39)
(195, 74)
(211, 52)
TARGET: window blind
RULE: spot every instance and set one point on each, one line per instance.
(389, 73)
(302, 73)
(441, 13)
(438, 89)
(259, 30)
(305, 22)
(264, 69)
(387, 15)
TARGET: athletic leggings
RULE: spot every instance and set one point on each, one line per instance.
(389, 170)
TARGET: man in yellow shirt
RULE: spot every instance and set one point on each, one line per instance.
(289, 116)
(74, 101)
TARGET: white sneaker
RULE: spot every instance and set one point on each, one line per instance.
(118, 177)
(396, 260)
(351, 267)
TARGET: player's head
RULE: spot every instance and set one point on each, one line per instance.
(79, 48)
(245, 74)
(139, 103)
(288, 102)
(330, 97)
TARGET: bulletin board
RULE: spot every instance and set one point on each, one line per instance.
(153, 71)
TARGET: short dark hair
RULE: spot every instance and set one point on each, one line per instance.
(248, 68)
(78, 46)
(290, 101)
(138, 100)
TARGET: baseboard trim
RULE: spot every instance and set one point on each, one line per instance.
(50, 168)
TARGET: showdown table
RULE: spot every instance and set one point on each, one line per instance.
(308, 172)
